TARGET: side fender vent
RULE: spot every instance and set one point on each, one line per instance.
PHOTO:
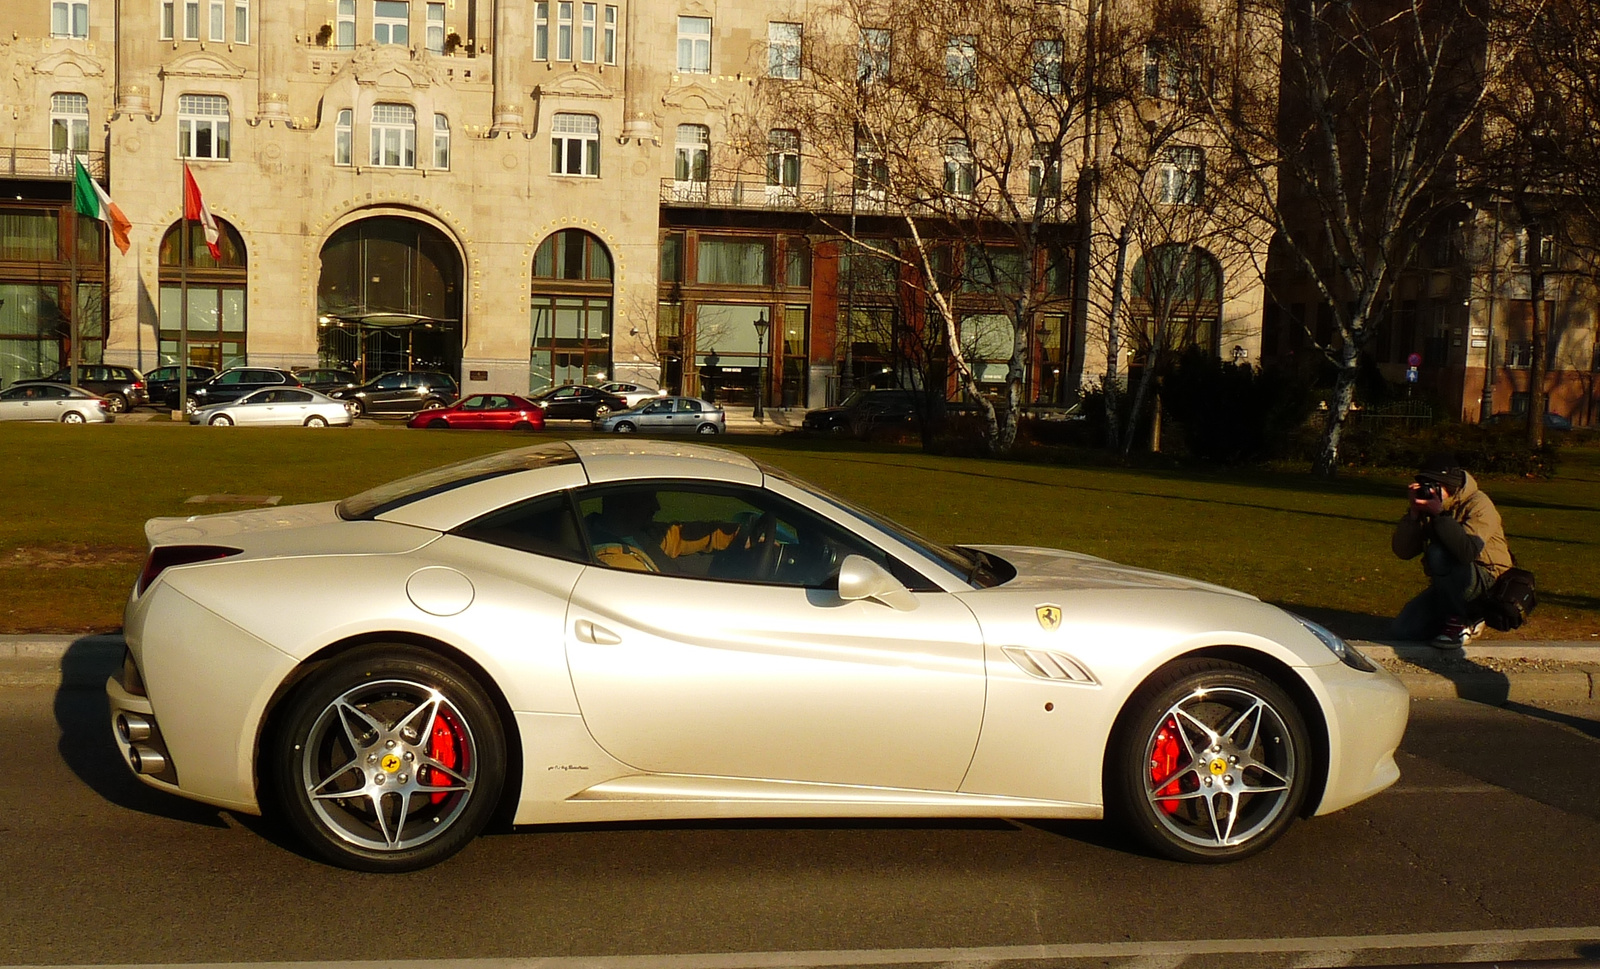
(1050, 665)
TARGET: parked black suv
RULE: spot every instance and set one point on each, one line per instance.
(325, 379)
(401, 392)
(235, 382)
(163, 383)
(867, 410)
(124, 388)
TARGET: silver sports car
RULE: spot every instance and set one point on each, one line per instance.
(277, 406)
(620, 629)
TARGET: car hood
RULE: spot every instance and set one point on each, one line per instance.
(1055, 569)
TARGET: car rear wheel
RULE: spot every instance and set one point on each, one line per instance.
(522, 426)
(601, 410)
(625, 427)
(221, 420)
(389, 759)
(116, 403)
(1210, 763)
(707, 429)
(316, 421)
(438, 422)
(72, 417)
(432, 403)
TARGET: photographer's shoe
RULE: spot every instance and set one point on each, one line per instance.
(1457, 634)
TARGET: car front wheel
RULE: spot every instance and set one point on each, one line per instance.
(389, 759)
(438, 423)
(625, 427)
(1210, 763)
(221, 420)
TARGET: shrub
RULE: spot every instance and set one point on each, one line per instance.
(1495, 449)
(1232, 413)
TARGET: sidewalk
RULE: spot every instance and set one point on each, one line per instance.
(1493, 672)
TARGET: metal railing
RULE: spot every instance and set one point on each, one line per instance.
(757, 194)
(46, 163)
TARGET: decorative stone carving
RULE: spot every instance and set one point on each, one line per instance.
(378, 64)
(202, 64)
(69, 63)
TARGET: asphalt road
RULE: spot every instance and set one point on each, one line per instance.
(1489, 848)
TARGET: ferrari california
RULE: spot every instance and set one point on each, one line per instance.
(607, 630)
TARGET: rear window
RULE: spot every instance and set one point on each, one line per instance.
(387, 497)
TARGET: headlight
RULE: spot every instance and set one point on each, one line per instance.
(1348, 655)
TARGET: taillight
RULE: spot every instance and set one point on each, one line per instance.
(138, 385)
(164, 557)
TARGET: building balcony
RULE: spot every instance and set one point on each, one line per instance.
(49, 165)
(757, 195)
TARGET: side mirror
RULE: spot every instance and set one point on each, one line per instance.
(862, 578)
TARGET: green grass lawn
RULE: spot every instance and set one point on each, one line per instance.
(72, 541)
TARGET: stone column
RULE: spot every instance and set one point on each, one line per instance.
(637, 120)
(275, 43)
(139, 49)
(510, 43)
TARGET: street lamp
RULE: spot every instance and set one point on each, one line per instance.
(762, 326)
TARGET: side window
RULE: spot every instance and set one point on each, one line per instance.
(660, 407)
(543, 526)
(293, 397)
(232, 377)
(687, 406)
(394, 381)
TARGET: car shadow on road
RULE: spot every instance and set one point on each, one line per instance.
(86, 745)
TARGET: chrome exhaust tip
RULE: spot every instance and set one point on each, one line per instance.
(132, 728)
(146, 760)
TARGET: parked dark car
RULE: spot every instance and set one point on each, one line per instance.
(577, 402)
(401, 393)
(162, 382)
(867, 410)
(1552, 421)
(235, 382)
(505, 411)
(326, 379)
(124, 388)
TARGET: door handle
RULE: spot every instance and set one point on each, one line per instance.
(588, 632)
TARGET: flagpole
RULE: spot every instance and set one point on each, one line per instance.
(72, 297)
(182, 411)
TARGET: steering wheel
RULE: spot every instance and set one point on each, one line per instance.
(761, 545)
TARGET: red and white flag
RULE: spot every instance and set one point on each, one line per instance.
(194, 207)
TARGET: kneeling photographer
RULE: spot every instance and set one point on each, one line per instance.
(1456, 529)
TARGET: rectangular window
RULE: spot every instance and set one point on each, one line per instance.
(692, 162)
(29, 235)
(1044, 173)
(959, 172)
(872, 55)
(783, 159)
(872, 170)
(575, 145)
(736, 262)
(1048, 66)
(564, 31)
(1182, 177)
(541, 31)
(341, 138)
(441, 142)
(1547, 248)
(346, 34)
(394, 136)
(191, 19)
(241, 21)
(783, 51)
(435, 32)
(1167, 74)
(218, 21)
(611, 35)
(166, 19)
(203, 127)
(591, 13)
(961, 62)
(694, 45)
(69, 18)
(391, 22)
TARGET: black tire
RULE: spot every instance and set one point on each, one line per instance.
(1235, 773)
(625, 427)
(220, 420)
(523, 426)
(432, 403)
(707, 429)
(351, 727)
(73, 417)
(316, 420)
(438, 423)
(116, 403)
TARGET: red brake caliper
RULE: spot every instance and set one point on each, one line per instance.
(1164, 761)
(442, 748)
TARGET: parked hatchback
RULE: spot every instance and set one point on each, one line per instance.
(124, 388)
(401, 393)
(666, 415)
(236, 382)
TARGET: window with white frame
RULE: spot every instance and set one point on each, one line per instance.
(167, 13)
(217, 22)
(1182, 176)
(345, 33)
(441, 142)
(69, 129)
(575, 145)
(391, 22)
(961, 61)
(694, 45)
(541, 31)
(342, 136)
(203, 126)
(872, 169)
(69, 18)
(564, 31)
(394, 136)
(191, 19)
(1547, 247)
(1048, 68)
(783, 50)
(241, 21)
(872, 54)
(783, 159)
(693, 155)
(588, 39)
(1168, 73)
(435, 28)
(1044, 173)
(610, 44)
(960, 174)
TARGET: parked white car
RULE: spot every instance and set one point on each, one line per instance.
(54, 402)
(634, 394)
(281, 406)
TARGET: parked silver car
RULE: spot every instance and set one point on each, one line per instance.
(634, 394)
(277, 406)
(666, 415)
(53, 402)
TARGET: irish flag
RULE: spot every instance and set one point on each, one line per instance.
(92, 200)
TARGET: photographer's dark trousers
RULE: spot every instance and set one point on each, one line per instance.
(1455, 590)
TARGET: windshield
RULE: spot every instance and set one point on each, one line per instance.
(387, 497)
(969, 565)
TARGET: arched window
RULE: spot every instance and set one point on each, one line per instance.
(570, 319)
(217, 290)
(341, 137)
(441, 142)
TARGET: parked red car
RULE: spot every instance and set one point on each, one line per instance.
(484, 410)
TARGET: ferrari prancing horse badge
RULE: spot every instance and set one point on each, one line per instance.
(1049, 617)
